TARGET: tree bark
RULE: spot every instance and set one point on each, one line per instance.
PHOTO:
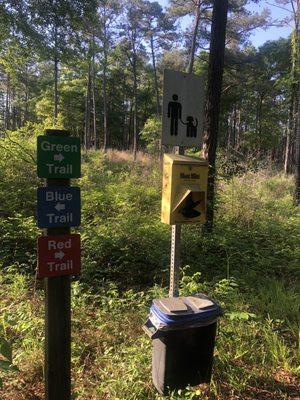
(7, 103)
(14, 109)
(124, 114)
(297, 155)
(55, 77)
(288, 144)
(87, 110)
(129, 126)
(93, 93)
(104, 89)
(155, 77)
(26, 111)
(135, 127)
(212, 108)
(297, 109)
(234, 127)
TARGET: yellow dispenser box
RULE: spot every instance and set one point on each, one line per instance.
(184, 190)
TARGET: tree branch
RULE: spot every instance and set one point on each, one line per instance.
(277, 6)
(23, 150)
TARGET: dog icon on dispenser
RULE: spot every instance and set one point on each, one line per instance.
(191, 126)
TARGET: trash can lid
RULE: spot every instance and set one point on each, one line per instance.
(181, 310)
(171, 305)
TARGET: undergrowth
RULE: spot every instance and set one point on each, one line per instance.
(249, 264)
(111, 357)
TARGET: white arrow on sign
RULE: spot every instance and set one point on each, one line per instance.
(59, 255)
(60, 206)
(58, 157)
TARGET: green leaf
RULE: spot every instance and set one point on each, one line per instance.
(4, 365)
(8, 366)
(5, 349)
(241, 315)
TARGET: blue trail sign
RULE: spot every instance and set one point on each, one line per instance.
(58, 206)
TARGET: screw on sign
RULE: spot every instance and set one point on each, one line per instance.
(58, 255)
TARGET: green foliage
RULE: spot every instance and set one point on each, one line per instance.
(114, 359)
(6, 362)
(18, 184)
(122, 236)
(151, 133)
(249, 264)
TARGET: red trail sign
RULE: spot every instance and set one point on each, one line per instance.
(58, 255)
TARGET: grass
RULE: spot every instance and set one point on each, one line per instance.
(112, 357)
(250, 265)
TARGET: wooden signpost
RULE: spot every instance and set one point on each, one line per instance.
(58, 160)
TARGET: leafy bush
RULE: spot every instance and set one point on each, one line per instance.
(151, 134)
(6, 360)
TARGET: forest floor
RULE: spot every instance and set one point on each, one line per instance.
(249, 264)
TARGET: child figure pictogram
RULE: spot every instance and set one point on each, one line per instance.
(191, 127)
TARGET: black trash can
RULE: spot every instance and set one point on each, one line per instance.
(183, 332)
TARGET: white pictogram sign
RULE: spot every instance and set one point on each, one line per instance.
(183, 109)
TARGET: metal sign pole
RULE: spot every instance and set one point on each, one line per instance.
(175, 260)
(175, 250)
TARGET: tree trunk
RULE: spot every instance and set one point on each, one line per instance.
(14, 109)
(160, 148)
(129, 126)
(288, 143)
(7, 103)
(155, 77)
(93, 94)
(87, 110)
(104, 88)
(239, 130)
(55, 77)
(26, 113)
(55, 90)
(124, 115)
(234, 127)
(296, 97)
(194, 38)
(297, 155)
(135, 127)
(212, 108)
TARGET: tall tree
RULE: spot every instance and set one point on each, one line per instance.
(132, 28)
(108, 12)
(160, 33)
(212, 109)
(55, 21)
(296, 93)
(196, 9)
(197, 36)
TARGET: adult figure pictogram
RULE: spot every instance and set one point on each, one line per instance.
(174, 113)
(191, 127)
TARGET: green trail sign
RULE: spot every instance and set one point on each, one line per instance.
(58, 157)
